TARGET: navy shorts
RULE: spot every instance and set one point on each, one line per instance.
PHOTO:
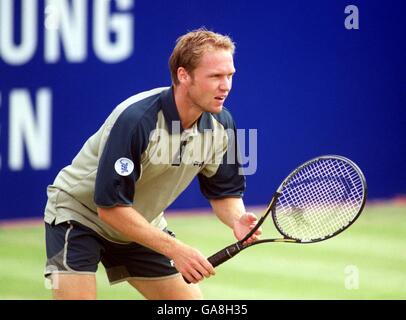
(74, 248)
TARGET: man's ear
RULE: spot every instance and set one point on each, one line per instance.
(183, 75)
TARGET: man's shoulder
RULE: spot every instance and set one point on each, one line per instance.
(142, 102)
(140, 108)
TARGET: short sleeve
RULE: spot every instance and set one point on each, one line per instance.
(120, 163)
(224, 179)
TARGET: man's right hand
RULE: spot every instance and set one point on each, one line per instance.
(191, 263)
(188, 261)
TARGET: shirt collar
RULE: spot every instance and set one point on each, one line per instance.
(171, 113)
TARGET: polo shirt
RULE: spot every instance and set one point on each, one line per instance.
(142, 157)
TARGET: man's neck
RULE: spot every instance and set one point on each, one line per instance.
(188, 113)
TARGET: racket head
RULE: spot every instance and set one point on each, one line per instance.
(319, 199)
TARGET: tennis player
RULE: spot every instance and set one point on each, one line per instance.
(108, 205)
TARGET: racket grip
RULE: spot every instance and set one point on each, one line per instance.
(225, 254)
(222, 256)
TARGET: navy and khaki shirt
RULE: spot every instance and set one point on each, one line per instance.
(143, 158)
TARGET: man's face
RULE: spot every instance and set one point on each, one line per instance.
(210, 83)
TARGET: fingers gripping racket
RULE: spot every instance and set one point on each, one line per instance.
(317, 201)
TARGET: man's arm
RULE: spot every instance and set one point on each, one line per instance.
(231, 211)
(188, 261)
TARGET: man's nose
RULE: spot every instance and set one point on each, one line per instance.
(225, 84)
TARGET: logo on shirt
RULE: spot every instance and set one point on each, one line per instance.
(198, 164)
(124, 166)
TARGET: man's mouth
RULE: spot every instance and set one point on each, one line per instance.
(221, 98)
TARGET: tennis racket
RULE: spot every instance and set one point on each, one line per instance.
(317, 201)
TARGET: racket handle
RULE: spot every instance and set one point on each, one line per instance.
(223, 255)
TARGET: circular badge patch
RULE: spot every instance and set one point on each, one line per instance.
(124, 166)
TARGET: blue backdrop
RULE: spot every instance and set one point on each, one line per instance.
(307, 79)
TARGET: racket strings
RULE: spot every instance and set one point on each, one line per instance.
(333, 191)
(321, 199)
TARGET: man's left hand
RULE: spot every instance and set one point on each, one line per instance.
(244, 225)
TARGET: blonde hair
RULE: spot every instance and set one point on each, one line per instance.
(190, 48)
